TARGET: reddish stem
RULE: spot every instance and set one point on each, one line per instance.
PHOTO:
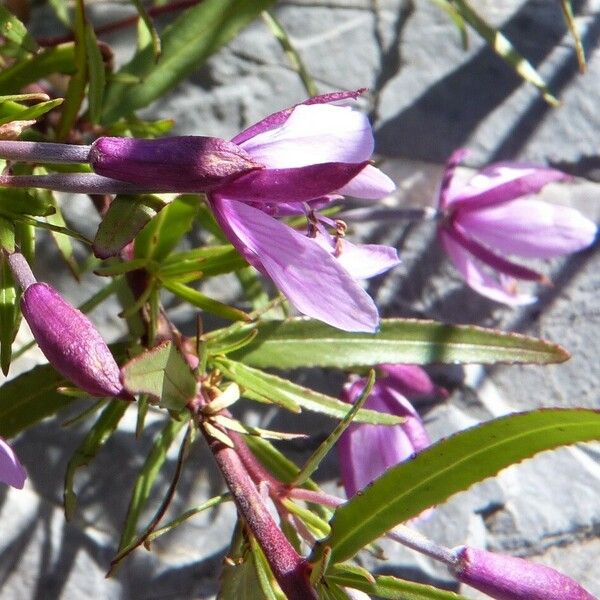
(289, 568)
(153, 11)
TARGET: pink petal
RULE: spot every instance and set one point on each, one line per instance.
(530, 228)
(362, 261)
(501, 291)
(11, 471)
(449, 187)
(278, 118)
(314, 134)
(309, 276)
(502, 182)
(411, 381)
(299, 184)
(370, 184)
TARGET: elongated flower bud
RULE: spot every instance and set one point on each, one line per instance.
(511, 578)
(68, 339)
(177, 164)
(70, 342)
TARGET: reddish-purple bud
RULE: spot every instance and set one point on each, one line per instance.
(511, 578)
(176, 164)
(70, 342)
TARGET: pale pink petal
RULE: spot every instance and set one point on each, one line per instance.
(370, 184)
(277, 119)
(314, 134)
(362, 261)
(11, 471)
(529, 228)
(411, 381)
(308, 275)
(501, 182)
(475, 276)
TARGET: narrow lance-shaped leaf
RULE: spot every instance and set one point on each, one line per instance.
(146, 478)
(160, 237)
(163, 374)
(59, 59)
(386, 586)
(305, 343)
(12, 29)
(205, 303)
(449, 466)
(313, 462)
(266, 387)
(96, 437)
(125, 218)
(96, 75)
(17, 112)
(29, 398)
(186, 44)
(502, 46)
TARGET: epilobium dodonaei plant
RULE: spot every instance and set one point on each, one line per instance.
(268, 206)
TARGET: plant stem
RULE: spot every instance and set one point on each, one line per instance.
(76, 183)
(289, 568)
(44, 152)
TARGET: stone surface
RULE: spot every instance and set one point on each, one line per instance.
(427, 96)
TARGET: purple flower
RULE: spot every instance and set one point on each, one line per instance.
(492, 215)
(11, 470)
(510, 578)
(367, 451)
(311, 153)
(68, 339)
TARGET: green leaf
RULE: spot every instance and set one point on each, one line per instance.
(265, 387)
(149, 31)
(192, 512)
(205, 303)
(9, 308)
(163, 374)
(305, 343)
(239, 578)
(59, 59)
(125, 218)
(292, 54)
(503, 47)
(25, 202)
(146, 478)
(96, 75)
(208, 260)
(13, 30)
(29, 398)
(78, 81)
(450, 466)
(313, 462)
(386, 586)
(139, 128)
(567, 9)
(11, 111)
(186, 44)
(161, 236)
(96, 437)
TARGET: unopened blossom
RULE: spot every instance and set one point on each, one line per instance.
(11, 471)
(68, 339)
(313, 152)
(366, 451)
(511, 578)
(493, 215)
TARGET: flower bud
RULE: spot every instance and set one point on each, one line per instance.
(11, 470)
(176, 164)
(366, 451)
(511, 578)
(70, 342)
